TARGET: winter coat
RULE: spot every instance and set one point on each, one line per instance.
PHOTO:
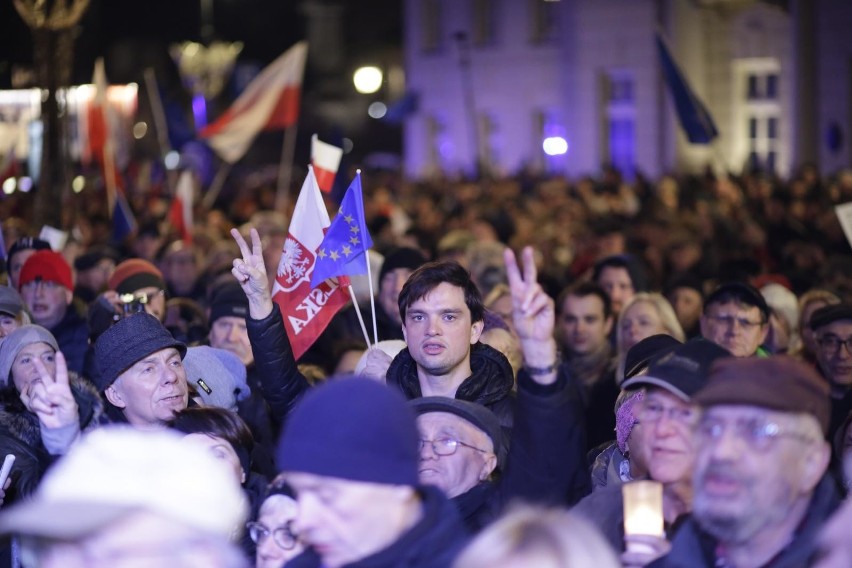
(693, 548)
(72, 336)
(433, 542)
(490, 383)
(546, 462)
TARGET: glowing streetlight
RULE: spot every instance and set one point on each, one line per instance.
(555, 146)
(367, 79)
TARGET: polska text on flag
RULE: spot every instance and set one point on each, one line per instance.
(306, 310)
(344, 248)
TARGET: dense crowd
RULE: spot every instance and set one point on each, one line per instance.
(541, 343)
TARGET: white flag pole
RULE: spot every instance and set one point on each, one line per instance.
(360, 318)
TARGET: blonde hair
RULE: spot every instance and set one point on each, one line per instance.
(668, 318)
(553, 537)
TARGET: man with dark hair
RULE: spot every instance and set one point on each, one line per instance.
(442, 319)
(736, 317)
(583, 324)
(832, 329)
(621, 276)
(19, 252)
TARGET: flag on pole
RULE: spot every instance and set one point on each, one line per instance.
(306, 310)
(325, 159)
(180, 212)
(694, 117)
(269, 102)
(343, 251)
(100, 146)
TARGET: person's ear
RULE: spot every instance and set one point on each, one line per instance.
(488, 466)
(476, 331)
(114, 396)
(814, 467)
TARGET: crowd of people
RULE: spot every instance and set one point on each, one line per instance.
(540, 344)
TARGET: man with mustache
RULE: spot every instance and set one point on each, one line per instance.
(761, 493)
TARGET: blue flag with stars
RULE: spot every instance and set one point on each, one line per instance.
(343, 250)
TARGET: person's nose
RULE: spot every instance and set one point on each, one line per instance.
(427, 452)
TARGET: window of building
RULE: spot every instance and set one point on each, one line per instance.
(544, 21)
(619, 121)
(438, 144)
(757, 111)
(484, 22)
(430, 25)
(489, 143)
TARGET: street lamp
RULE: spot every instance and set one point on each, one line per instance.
(367, 79)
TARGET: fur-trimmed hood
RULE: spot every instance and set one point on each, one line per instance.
(24, 424)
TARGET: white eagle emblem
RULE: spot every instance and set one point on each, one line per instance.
(295, 264)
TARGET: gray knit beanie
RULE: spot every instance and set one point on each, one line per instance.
(17, 340)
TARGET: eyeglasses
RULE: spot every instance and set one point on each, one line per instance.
(831, 344)
(730, 321)
(447, 446)
(758, 434)
(652, 412)
(283, 536)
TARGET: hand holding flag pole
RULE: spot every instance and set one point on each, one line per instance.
(343, 250)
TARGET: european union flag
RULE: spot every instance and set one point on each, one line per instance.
(694, 117)
(344, 248)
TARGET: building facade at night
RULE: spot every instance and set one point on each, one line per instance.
(495, 78)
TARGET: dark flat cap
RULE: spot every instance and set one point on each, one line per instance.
(777, 383)
(480, 416)
(647, 351)
(739, 291)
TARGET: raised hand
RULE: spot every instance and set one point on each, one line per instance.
(50, 397)
(250, 272)
(533, 314)
(377, 364)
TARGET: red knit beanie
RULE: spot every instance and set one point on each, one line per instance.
(48, 266)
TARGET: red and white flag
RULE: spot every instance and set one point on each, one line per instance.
(326, 159)
(271, 101)
(306, 311)
(100, 146)
(180, 212)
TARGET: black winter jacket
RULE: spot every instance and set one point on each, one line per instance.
(490, 383)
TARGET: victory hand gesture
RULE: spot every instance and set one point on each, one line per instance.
(250, 272)
(50, 397)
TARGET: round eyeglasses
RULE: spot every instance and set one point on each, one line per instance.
(283, 536)
(447, 446)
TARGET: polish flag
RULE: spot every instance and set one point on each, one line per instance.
(100, 146)
(270, 102)
(306, 311)
(326, 159)
(180, 212)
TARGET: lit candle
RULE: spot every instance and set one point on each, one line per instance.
(643, 511)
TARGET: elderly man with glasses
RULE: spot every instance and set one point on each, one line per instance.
(736, 317)
(761, 493)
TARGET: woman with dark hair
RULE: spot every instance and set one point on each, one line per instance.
(229, 439)
(272, 532)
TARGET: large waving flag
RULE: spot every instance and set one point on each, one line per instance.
(694, 117)
(100, 145)
(326, 160)
(123, 220)
(306, 310)
(343, 251)
(271, 101)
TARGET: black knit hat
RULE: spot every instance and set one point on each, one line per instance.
(647, 351)
(355, 429)
(683, 371)
(228, 299)
(741, 292)
(131, 339)
(26, 243)
(401, 258)
(830, 314)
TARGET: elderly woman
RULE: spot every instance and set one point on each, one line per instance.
(42, 403)
(273, 533)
